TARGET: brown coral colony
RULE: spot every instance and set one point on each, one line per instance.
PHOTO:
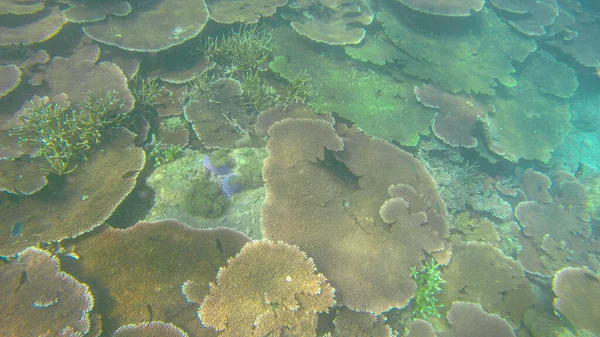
(326, 168)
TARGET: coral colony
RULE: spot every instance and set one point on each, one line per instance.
(300, 168)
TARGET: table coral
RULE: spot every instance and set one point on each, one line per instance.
(160, 26)
(376, 102)
(268, 288)
(338, 24)
(140, 270)
(577, 292)
(458, 115)
(89, 196)
(149, 329)
(10, 78)
(480, 272)
(45, 27)
(38, 299)
(338, 209)
(446, 7)
(247, 11)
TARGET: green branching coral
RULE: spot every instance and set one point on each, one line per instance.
(300, 89)
(239, 51)
(62, 132)
(428, 286)
(258, 96)
(146, 92)
(165, 155)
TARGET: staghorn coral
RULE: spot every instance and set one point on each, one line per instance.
(239, 52)
(480, 272)
(247, 11)
(445, 7)
(577, 292)
(140, 270)
(87, 198)
(428, 282)
(149, 329)
(38, 299)
(62, 132)
(457, 117)
(319, 202)
(163, 25)
(267, 289)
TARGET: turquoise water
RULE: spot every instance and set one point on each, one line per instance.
(299, 168)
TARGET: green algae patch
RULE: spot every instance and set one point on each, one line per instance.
(377, 103)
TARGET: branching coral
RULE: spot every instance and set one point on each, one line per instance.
(257, 95)
(428, 286)
(240, 51)
(62, 132)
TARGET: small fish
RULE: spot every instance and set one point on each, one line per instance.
(378, 93)
(580, 170)
(22, 280)
(17, 230)
(219, 246)
(149, 307)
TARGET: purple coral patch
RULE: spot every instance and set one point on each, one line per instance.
(227, 188)
(220, 170)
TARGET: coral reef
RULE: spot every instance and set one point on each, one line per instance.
(39, 299)
(445, 7)
(140, 270)
(89, 196)
(428, 282)
(267, 289)
(241, 51)
(457, 117)
(166, 24)
(247, 11)
(577, 291)
(378, 104)
(359, 324)
(470, 320)
(62, 132)
(149, 329)
(480, 272)
(336, 25)
(351, 187)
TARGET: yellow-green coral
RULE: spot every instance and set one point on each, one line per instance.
(64, 132)
(240, 51)
(428, 286)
